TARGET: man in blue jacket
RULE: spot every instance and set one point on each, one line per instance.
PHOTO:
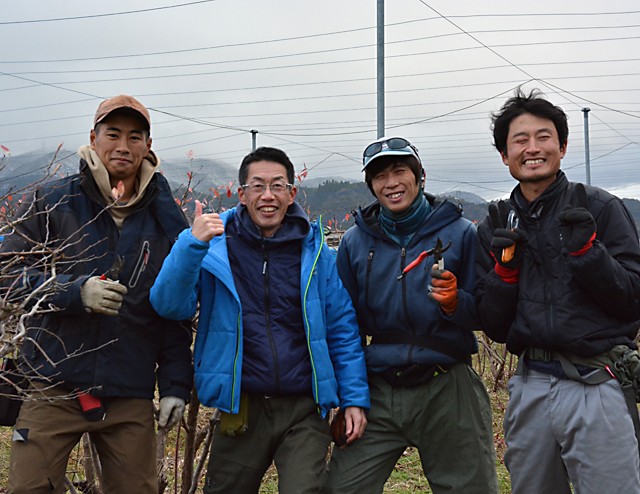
(277, 344)
(96, 350)
(418, 325)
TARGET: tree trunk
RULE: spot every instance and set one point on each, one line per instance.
(190, 448)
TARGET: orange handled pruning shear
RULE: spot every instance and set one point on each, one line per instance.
(512, 224)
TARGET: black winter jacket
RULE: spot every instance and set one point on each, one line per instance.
(110, 356)
(582, 305)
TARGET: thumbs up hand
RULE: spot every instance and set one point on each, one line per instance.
(206, 226)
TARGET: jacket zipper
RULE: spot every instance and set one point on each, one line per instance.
(316, 394)
(535, 214)
(543, 260)
(403, 260)
(267, 307)
(366, 295)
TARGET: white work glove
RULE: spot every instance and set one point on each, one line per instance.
(102, 296)
(171, 410)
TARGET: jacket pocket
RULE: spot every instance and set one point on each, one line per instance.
(141, 264)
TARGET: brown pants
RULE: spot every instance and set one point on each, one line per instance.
(47, 431)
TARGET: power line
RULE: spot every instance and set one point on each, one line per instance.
(215, 47)
(309, 36)
(316, 52)
(331, 62)
(338, 81)
(111, 14)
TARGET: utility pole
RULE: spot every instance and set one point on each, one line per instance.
(587, 159)
(253, 139)
(380, 69)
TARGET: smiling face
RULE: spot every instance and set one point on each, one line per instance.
(266, 209)
(121, 141)
(533, 153)
(395, 187)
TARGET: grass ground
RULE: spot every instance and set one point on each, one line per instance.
(407, 476)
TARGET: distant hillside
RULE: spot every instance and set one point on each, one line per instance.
(634, 208)
(19, 171)
(205, 173)
(333, 199)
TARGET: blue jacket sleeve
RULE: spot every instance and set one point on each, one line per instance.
(344, 269)
(174, 294)
(343, 339)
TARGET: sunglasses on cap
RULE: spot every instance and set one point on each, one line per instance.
(388, 146)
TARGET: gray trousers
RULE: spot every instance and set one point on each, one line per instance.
(288, 431)
(448, 419)
(561, 432)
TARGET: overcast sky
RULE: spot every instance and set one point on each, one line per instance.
(303, 74)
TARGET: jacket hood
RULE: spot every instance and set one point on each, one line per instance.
(101, 176)
(295, 226)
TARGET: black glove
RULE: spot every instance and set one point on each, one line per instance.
(508, 242)
(507, 247)
(577, 226)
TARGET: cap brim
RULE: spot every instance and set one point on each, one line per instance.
(127, 109)
(389, 152)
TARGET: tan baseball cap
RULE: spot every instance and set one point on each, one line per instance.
(119, 102)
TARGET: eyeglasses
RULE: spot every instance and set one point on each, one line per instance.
(393, 144)
(276, 188)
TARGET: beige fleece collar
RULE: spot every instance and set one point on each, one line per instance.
(100, 174)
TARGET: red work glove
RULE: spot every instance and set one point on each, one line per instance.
(444, 289)
(507, 248)
(577, 230)
(577, 226)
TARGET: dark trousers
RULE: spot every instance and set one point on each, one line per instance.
(448, 419)
(286, 430)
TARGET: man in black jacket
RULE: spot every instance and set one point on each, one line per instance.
(558, 281)
(93, 359)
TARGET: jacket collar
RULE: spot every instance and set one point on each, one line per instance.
(442, 213)
(535, 208)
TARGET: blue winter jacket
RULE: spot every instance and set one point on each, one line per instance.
(407, 326)
(197, 271)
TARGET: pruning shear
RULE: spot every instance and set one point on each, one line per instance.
(113, 272)
(437, 257)
(512, 224)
